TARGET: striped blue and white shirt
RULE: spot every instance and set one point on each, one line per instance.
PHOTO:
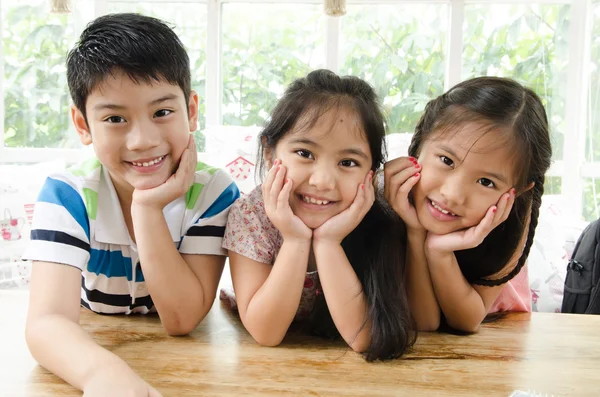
(78, 222)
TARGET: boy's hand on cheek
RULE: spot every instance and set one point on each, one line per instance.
(276, 198)
(473, 236)
(341, 225)
(176, 186)
(401, 175)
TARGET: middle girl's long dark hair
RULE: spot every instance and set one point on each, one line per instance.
(374, 248)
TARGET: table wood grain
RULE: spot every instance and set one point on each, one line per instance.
(554, 354)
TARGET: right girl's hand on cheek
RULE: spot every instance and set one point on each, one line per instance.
(473, 236)
(400, 176)
(276, 196)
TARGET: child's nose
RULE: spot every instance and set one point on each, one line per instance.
(143, 136)
(322, 178)
(454, 192)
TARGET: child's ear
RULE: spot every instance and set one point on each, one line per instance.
(529, 187)
(83, 130)
(193, 111)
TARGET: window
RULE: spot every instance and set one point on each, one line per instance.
(591, 205)
(244, 53)
(264, 48)
(36, 99)
(525, 42)
(400, 50)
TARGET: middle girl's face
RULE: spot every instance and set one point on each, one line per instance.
(463, 174)
(326, 163)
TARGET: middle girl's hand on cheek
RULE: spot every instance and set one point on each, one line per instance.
(473, 236)
(276, 196)
(338, 227)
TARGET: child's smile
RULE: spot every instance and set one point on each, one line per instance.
(148, 165)
(316, 203)
(441, 212)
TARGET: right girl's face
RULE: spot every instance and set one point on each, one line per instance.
(326, 163)
(463, 174)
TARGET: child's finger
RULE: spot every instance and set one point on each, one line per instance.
(283, 199)
(189, 168)
(509, 204)
(271, 175)
(359, 200)
(500, 206)
(193, 150)
(152, 392)
(410, 181)
(504, 206)
(183, 174)
(268, 184)
(369, 195)
(278, 182)
(396, 181)
(486, 225)
(403, 185)
(369, 186)
(392, 168)
(369, 179)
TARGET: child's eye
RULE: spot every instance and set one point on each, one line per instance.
(114, 119)
(486, 182)
(447, 160)
(348, 163)
(304, 153)
(163, 113)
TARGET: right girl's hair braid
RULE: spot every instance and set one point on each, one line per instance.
(536, 202)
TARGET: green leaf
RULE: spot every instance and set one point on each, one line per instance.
(533, 21)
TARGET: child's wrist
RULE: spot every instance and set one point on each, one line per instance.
(297, 240)
(435, 256)
(325, 243)
(416, 235)
(145, 209)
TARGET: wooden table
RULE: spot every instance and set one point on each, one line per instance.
(557, 354)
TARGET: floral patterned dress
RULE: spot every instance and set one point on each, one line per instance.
(250, 233)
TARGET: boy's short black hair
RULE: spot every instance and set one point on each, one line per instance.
(144, 48)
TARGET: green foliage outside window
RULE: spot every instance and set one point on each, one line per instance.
(400, 49)
(36, 99)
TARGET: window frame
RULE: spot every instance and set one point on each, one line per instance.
(576, 100)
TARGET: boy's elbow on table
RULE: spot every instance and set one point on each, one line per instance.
(179, 331)
(32, 333)
(179, 327)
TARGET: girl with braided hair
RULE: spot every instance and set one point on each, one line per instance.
(470, 196)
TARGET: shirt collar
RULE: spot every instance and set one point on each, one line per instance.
(110, 227)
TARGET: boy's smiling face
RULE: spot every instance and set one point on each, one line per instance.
(139, 130)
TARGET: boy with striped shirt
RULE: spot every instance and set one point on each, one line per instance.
(138, 229)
